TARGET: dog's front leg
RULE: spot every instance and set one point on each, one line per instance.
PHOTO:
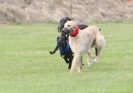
(76, 64)
(70, 61)
(65, 58)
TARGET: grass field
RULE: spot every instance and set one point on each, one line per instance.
(27, 67)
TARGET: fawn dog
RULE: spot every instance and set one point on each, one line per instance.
(81, 41)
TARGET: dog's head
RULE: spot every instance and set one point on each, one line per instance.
(71, 28)
(62, 22)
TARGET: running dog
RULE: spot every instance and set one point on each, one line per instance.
(81, 42)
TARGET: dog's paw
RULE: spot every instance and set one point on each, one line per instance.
(90, 62)
(95, 60)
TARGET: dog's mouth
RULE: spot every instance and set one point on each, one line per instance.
(67, 31)
(72, 31)
(75, 31)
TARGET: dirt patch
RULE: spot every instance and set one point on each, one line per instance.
(33, 11)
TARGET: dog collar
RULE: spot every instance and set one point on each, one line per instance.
(75, 31)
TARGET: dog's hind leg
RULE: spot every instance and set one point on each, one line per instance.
(99, 44)
(98, 54)
(90, 58)
(76, 64)
(96, 51)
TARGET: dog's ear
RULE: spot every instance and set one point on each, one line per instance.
(58, 28)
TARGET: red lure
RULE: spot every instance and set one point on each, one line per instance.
(75, 31)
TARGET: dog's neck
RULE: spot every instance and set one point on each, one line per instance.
(75, 31)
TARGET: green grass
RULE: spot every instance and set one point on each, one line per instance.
(27, 67)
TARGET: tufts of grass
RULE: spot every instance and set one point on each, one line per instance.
(27, 67)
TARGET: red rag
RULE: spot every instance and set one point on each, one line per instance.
(75, 31)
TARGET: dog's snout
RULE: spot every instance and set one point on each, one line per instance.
(66, 30)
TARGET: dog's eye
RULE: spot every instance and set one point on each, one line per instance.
(68, 25)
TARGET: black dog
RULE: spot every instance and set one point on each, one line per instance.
(62, 41)
(65, 50)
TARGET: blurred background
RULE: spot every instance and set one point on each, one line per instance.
(28, 31)
(40, 11)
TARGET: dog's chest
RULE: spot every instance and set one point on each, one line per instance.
(79, 43)
(73, 43)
